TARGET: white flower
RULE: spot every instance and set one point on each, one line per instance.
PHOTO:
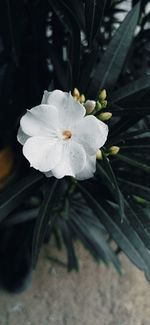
(58, 139)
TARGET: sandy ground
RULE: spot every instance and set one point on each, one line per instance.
(96, 295)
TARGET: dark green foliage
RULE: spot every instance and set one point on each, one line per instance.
(14, 196)
(115, 55)
(131, 90)
(100, 51)
(44, 219)
(94, 11)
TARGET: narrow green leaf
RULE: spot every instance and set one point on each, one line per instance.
(45, 218)
(139, 144)
(15, 195)
(89, 61)
(113, 181)
(134, 163)
(68, 241)
(95, 240)
(77, 8)
(62, 70)
(89, 216)
(109, 68)
(131, 89)
(70, 21)
(135, 188)
(94, 10)
(21, 216)
(122, 232)
(129, 110)
(134, 216)
(121, 127)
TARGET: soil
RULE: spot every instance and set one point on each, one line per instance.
(94, 295)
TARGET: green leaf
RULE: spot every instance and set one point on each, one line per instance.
(94, 10)
(15, 195)
(122, 232)
(88, 215)
(21, 216)
(134, 215)
(139, 144)
(62, 70)
(112, 183)
(69, 19)
(89, 61)
(135, 163)
(94, 240)
(135, 188)
(121, 127)
(68, 241)
(109, 68)
(131, 89)
(129, 110)
(77, 8)
(45, 218)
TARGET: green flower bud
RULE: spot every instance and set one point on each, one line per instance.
(105, 116)
(102, 95)
(104, 103)
(98, 106)
(113, 150)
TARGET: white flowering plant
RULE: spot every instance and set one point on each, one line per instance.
(59, 140)
(77, 114)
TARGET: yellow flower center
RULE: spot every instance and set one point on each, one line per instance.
(66, 134)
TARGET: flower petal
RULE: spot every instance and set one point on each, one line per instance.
(42, 153)
(73, 160)
(89, 169)
(40, 120)
(56, 98)
(45, 97)
(69, 109)
(72, 113)
(21, 136)
(91, 133)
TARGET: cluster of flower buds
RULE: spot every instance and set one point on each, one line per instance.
(88, 104)
(112, 151)
(102, 98)
(101, 104)
(93, 107)
(79, 97)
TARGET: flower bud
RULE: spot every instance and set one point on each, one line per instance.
(89, 106)
(104, 103)
(140, 199)
(102, 95)
(113, 150)
(82, 99)
(76, 93)
(105, 116)
(99, 155)
(98, 106)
